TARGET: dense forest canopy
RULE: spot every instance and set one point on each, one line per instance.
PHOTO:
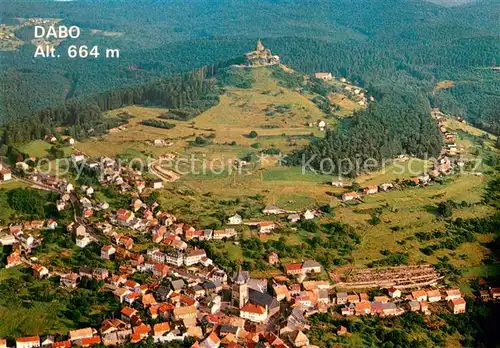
(384, 44)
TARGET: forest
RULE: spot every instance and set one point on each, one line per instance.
(385, 130)
(384, 46)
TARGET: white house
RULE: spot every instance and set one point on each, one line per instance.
(266, 226)
(394, 293)
(253, 313)
(308, 215)
(235, 219)
(5, 175)
(77, 157)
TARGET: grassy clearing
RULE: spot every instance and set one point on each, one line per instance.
(30, 318)
(239, 112)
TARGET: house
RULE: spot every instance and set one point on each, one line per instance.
(83, 241)
(127, 313)
(70, 280)
(457, 305)
(221, 234)
(424, 307)
(419, 295)
(394, 293)
(39, 271)
(337, 184)
(266, 226)
(386, 187)
(353, 298)
(47, 340)
(100, 273)
(349, 196)
(281, 292)
(370, 190)
(298, 339)
(272, 210)
(495, 293)
(136, 204)
(157, 183)
(363, 308)
(50, 138)
(327, 76)
(293, 217)
(293, 268)
(194, 256)
(212, 341)
(124, 217)
(235, 219)
(160, 271)
(381, 299)
(126, 242)
(363, 297)
(181, 313)
(81, 334)
(107, 252)
(28, 342)
(311, 266)
(61, 344)
(323, 296)
(51, 224)
(452, 294)
(161, 328)
(347, 310)
(273, 258)
(414, 306)
(174, 257)
(141, 331)
(77, 157)
(5, 175)
(253, 312)
(87, 342)
(341, 298)
(148, 300)
(70, 141)
(308, 215)
(120, 294)
(433, 296)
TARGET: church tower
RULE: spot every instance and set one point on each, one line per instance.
(239, 288)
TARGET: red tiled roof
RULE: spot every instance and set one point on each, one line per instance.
(161, 327)
(28, 339)
(293, 267)
(128, 311)
(90, 341)
(142, 329)
(251, 308)
(458, 301)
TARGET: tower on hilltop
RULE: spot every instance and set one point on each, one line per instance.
(261, 56)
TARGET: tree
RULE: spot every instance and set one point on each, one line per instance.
(445, 209)
(252, 134)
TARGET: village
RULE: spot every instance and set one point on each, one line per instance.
(193, 297)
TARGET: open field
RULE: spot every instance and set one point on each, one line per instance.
(347, 106)
(239, 112)
(30, 318)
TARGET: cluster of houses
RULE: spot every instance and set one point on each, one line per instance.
(22, 240)
(355, 93)
(396, 304)
(186, 295)
(444, 165)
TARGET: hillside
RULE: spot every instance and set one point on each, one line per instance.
(409, 44)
